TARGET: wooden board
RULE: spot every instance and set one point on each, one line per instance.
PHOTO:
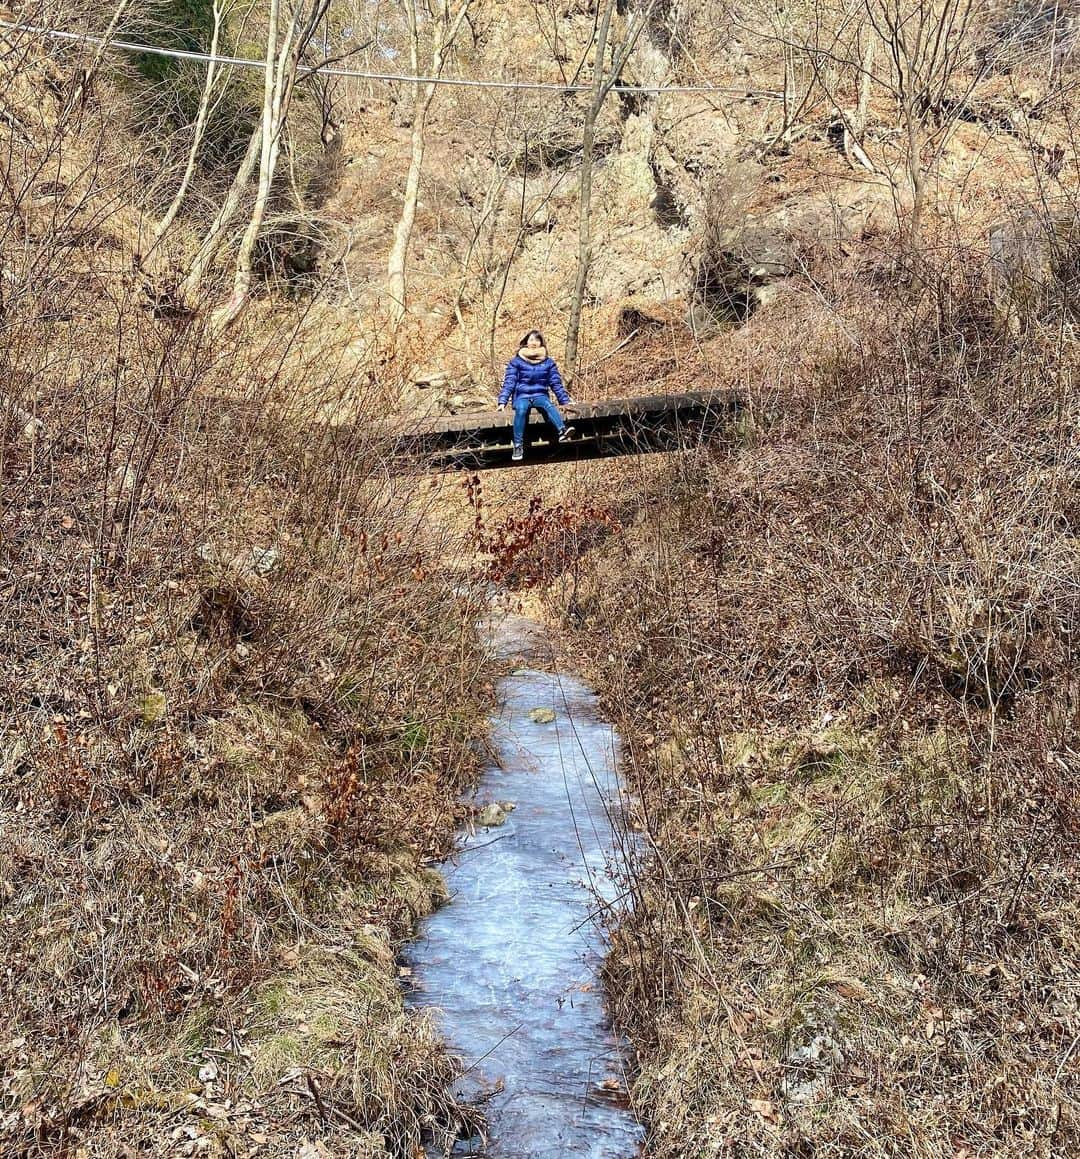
(626, 426)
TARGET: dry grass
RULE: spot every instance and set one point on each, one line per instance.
(239, 703)
(842, 659)
(211, 772)
(841, 655)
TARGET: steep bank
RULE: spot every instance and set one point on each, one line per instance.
(238, 704)
(241, 702)
(842, 654)
(240, 696)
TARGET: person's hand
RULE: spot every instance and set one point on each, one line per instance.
(501, 406)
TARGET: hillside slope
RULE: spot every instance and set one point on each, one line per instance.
(242, 688)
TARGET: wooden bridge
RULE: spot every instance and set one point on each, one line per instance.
(625, 426)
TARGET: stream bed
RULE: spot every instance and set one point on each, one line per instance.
(511, 964)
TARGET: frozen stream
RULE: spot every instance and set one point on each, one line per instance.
(511, 963)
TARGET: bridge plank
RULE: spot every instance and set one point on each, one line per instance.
(627, 426)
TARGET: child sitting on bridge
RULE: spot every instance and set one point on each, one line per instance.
(530, 378)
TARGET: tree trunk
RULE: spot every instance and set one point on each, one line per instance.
(273, 113)
(215, 236)
(282, 62)
(573, 328)
(444, 32)
(395, 266)
(855, 127)
(917, 177)
(588, 145)
(163, 225)
(76, 97)
(866, 80)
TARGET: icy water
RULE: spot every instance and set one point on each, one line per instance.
(511, 963)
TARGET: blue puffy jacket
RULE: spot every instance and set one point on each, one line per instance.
(524, 379)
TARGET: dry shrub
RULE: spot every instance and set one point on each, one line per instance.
(544, 542)
(215, 609)
(843, 660)
(721, 279)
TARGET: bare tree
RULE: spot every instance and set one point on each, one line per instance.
(284, 51)
(926, 42)
(446, 22)
(223, 219)
(604, 80)
(855, 125)
(866, 77)
(201, 117)
(285, 47)
(86, 76)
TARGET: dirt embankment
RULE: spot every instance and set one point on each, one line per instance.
(242, 701)
(841, 653)
(240, 698)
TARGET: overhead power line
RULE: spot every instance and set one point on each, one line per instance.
(356, 74)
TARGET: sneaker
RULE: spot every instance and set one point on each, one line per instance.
(566, 434)
(518, 454)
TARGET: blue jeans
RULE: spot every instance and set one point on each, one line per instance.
(523, 404)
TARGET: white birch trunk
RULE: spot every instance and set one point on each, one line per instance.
(403, 230)
(282, 64)
(272, 113)
(201, 118)
(445, 32)
(215, 236)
